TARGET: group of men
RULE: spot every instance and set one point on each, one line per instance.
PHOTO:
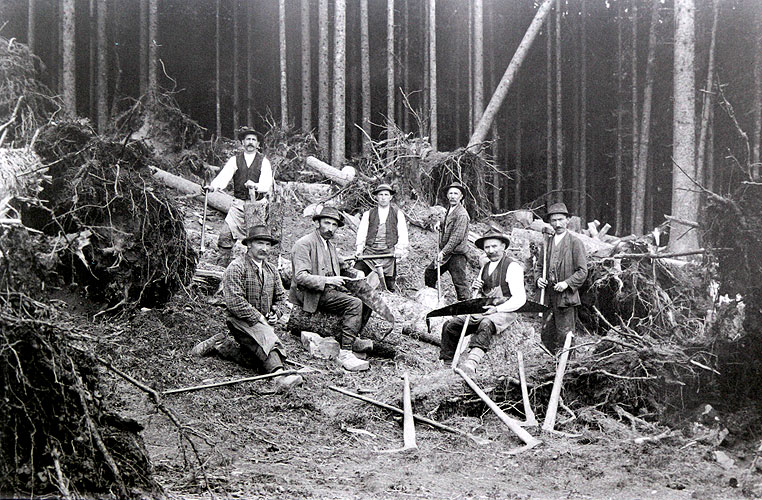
(256, 299)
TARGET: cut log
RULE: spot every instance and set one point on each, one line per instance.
(603, 231)
(341, 177)
(329, 325)
(217, 199)
(521, 239)
(418, 331)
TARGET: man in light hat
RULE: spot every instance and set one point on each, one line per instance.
(382, 230)
(255, 300)
(317, 284)
(501, 276)
(453, 244)
(250, 171)
(566, 264)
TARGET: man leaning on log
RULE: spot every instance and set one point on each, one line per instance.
(317, 284)
(255, 300)
(252, 178)
(501, 276)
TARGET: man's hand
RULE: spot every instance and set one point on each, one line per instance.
(490, 310)
(334, 280)
(561, 286)
(263, 319)
(272, 318)
(359, 274)
(250, 184)
(542, 282)
(478, 284)
(399, 253)
(440, 257)
(208, 189)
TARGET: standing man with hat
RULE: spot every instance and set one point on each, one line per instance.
(566, 264)
(453, 244)
(255, 300)
(501, 276)
(317, 284)
(250, 171)
(382, 230)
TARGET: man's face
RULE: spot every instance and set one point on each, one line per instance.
(383, 198)
(259, 249)
(327, 228)
(559, 222)
(454, 195)
(494, 249)
(250, 143)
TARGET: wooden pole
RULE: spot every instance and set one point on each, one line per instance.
(555, 394)
(408, 422)
(231, 382)
(531, 420)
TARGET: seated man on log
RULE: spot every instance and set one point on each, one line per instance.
(382, 231)
(501, 276)
(255, 299)
(317, 285)
(252, 178)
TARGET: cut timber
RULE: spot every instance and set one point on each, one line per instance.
(418, 331)
(217, 199)
(555, 395)
(329, 325)
(341, 177)
(602, 232)
(521, 238)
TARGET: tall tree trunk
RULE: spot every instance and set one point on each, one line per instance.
(583, 118)
(559, 108)
(708, 100)
(365, 73)
(406, 63)
(236, 69)
(497, 178)
(339, 66)
(634, 203)
(217, 68)
(433, 71)
(480, 132)
(426, 101)
(576, 118)
(549, 113)
(153, 47)
(306, 68)
(756, 155)
(684, 198)
(324, 90)
(69, 61)
(30, 27)
(478, 60)
(618, 157)
(250, 63)
(283, 65)
(470, 41)
(144, 42)
(458, 81)
(640, 173)
(390, 62)
(710, 170)
(60, 46)
(92, 111)
(517, 148)
(102, 73)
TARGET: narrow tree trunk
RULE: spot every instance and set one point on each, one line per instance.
(283, 65)
(480, 132)
(583, 118)
(406, 63)
(636, 219)
(497, 178)
(708, 100)
(144, 42)
(575, 79)
(153, 47)
(365, 72)
(426, 101)
(390, 62)
(549, 113)
(92, 111)
(339, 66)
(433, 71)
(250, 40)
(756, 154)
(30, 28)
(217, 68)
(324, 91)
(640, 174)
(710, 170)
(559, 108)
(517, 148)
(478, 60)
(236, 68)
(69, 62)
(470, 59)
(60, 46)
(102, 72)
(618, 157)
(685, 200)
(306, 68)
(458, 81)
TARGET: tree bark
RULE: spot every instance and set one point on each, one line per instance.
(496, 174)
(144, 41)
(635, 114)
(365, 74)
(640, 174)
(30, 27)
(708, 100)
(458, 81)
(390, 62)
(433, 72)
(756, 154)
(618, 157)
(102, 72)
(249, 63)
(478, 60)
(425, 99)
(324, 90)
(710, 170)
(236, 68)
(517, 149)
(470, 60)
(482, 128)
(684, 198)
(339, 66)
(283, 65)
(559, 109)
(92, 111)
(306, 68)
(406, 63)
(583, 118)
(549, 113)
(69, 62)
(217, 69)
(153, 46)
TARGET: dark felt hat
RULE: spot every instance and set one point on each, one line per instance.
(329, 213)
(557, 208)
(244, 131)
(492, 234)
(457, 185)
(384, 187)
(259, 232)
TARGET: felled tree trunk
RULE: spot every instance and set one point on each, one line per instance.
(217, 200)
(329, 325)
(341, 177)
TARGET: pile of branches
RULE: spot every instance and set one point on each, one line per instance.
(287, 150)
(205, 160)
(25, 103)
(59, 435)
(120, 237)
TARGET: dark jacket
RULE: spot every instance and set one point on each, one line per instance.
(309, 276)
(454, 238)
(571, 266)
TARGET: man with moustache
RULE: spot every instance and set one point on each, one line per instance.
(249, 170)
(501, 276)
(255, 300)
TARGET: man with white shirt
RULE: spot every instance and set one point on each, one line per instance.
(252, 178)
(382, 230)
(501, 276)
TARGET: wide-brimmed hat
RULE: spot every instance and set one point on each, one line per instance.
(384, 187)
(244, 131)
(259, 232)
(329, 213)
(492, 234)
(557, 208)
(457, 185)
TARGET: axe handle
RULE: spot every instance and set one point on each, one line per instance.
(379, 256)
(544, 269)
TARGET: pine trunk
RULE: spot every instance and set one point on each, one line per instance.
(69, 61)
(425, 101)
(517, 149)
(756, 153)
(406, 64)
(102, 72)
(575, 79)
(470, 59)
(283, 64)
(236, 69)
(458, 82)
(708, 100)
(478, 60)
(339, 66)
(710, 170)
(634, 202)
(306, 68)
(153, 47)
(92, 111)
(217, 34)
(30, 27)
(433, 71)
(250, 63)
(365, 74)
(559, 109)
(618, 157)
(583, 118)
(549, 113)
(390, 62)
(324, 90)
(144, 41)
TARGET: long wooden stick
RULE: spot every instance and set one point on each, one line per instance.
(400, 411)
(461, 340)
(555, 393)
(203, 221)
(544, 269)
(531, 420)
(231, 382)
(512, 424)
(408, 422)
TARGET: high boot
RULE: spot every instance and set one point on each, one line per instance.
(475, 356)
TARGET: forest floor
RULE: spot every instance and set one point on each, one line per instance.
(315, 443)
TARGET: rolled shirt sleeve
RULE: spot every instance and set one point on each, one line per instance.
(265, 183)
(514, 276)
(362, 232)
(226, 174)
(402, 237)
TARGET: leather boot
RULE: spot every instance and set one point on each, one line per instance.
(474, 358)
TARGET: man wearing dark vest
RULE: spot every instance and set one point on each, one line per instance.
(382, 230)
(252, 178)
(566, 264)
(501, 276)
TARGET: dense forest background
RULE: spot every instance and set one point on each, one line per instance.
(586, 74)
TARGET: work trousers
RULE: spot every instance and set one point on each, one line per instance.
(481, 330)
(268, 363)
(456, 266)
(353, 313)
(562, 320)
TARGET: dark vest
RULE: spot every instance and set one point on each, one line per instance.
(391, 227)
(244, 173)
(497, 278)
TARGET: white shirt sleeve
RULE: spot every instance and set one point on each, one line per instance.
(362, 232)
(265, 177)
(402, 237)
(514, 276)
(226, 174)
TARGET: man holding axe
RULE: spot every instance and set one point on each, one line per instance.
(382, 231)
(502, 277)
(565, 269)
